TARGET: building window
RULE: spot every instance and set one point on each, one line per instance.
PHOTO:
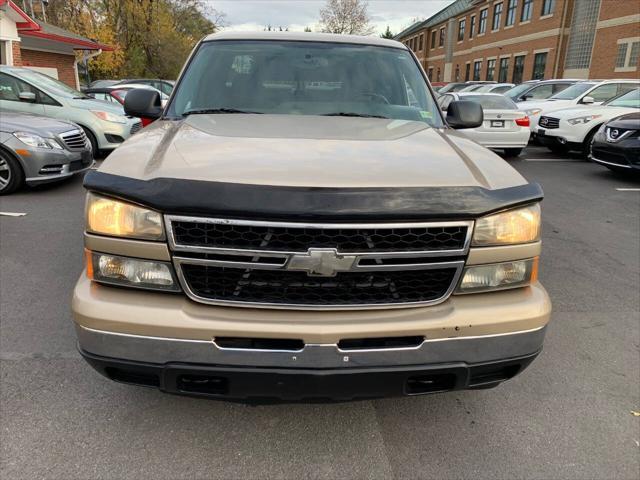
(457, 73)
(433, 39)
(477, 66)
(482, 25)
(491, 69)
(497, 16)
(438, 75)
(580, 46)
(441, 42)
(527, 6)
(547, 7)
(430, 73)
(627, 56)
(472, 26)
(504, 70)
(461, 26)
(518, 69)
(421, 43)
(512, 7)
(539, 65)
(467, 71)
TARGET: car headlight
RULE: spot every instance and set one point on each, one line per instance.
(520, 225)
(109, 117)
(131, 272)
(106, 216)
(533, 111)
(585, 119)
(36, 141)
(498, 276)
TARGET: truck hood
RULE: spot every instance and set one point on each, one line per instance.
(309, 151)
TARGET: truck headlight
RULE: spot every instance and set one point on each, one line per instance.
(520, 225)
(498, 276)
(131, 272)
(106, 216)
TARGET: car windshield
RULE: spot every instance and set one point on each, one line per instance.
(304, 78)
(629, 99)
(573, 92)
(516, 91)
(50, 85)
(491, 102)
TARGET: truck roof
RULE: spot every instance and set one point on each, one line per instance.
(306, 37)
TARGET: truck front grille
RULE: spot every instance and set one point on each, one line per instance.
(318, 266)
(297, 288)
(299, 239)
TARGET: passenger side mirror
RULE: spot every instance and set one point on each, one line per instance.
(143, 103)
(588, 100)
(464, 114)
(29, 97)
(527, 96)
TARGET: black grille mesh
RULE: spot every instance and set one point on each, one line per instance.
(297, 239)
(297, 288)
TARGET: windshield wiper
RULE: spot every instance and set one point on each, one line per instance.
(203, 111)
(351, 114)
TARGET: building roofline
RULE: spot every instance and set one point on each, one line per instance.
(32, 28)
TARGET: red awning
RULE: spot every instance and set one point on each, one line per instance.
(36, 28)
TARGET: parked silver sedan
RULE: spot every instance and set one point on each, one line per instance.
(504, 126)
(36, 149)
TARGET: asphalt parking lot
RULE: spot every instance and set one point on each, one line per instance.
(568, 416)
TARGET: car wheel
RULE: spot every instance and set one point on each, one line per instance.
(586, 144)
(92, 141)
(512, 152)
(11, 174)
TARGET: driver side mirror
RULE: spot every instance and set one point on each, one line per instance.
(28, 97)
(464, 114)
(143, 103)
(588, 100)
(527, 96)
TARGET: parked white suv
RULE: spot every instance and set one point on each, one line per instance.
(574, 128)
(586, 93)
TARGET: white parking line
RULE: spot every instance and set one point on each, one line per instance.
(628, 189)
(12, 214)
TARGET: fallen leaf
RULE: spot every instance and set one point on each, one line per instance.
(635, 414)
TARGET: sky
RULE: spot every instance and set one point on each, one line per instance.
(255, 15)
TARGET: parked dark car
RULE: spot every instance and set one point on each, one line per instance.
(617, 144)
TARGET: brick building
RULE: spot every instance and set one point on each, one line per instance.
(518, 40)
(26, 42)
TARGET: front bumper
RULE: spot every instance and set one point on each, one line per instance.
(49, 165)
(112, 135)
(236, 383)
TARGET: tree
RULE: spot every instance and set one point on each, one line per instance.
(387, 34)
(307, 29)
(350, 17)
(152, 38)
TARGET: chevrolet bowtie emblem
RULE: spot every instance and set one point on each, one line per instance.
(321, 262)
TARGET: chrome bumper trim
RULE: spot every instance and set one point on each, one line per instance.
(160, 350)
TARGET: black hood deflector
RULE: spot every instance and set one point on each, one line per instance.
(235, 200)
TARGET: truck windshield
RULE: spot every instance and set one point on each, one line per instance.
(304, 78)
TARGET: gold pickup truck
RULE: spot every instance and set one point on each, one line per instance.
(301, 221)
